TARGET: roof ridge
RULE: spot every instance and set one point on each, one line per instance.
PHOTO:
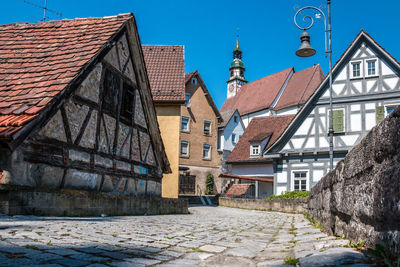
(268, 75)
(121, 15)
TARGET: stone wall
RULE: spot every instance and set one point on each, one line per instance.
(360, 198)
(297, 205)
(18, 200)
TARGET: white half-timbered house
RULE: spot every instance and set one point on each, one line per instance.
(366, 87)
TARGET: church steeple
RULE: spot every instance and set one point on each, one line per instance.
(237, 69)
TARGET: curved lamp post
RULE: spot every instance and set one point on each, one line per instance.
(306, 50)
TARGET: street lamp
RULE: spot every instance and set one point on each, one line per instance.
(306, 50)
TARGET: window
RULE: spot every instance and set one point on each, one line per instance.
(231, 73)
(187, 99)
(254, 150)
(127, 102)
(206, 151)
(233, 137)
(382, 111)
(207, 127)
(371, 67)
(300, 181)
(111, 91)
(241, 73)
(184, 124)
(184, 149)
(356, 69)
(235, 119)
(338, 120)
(194, 81)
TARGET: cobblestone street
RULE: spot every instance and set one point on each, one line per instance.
(209, 236)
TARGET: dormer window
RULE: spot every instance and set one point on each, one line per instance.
(255, 150)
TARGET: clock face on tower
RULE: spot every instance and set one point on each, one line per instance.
(231, 87)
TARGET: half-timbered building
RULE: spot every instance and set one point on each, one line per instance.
(76, 109)
(366, 87)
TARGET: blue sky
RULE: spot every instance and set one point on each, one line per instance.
(207, 29)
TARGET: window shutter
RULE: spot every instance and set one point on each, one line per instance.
(380, 114)
(338, 120)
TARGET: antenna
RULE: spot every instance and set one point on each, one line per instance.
(44, 9)
(237, 32)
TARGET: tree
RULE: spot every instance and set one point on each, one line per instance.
(210, 184)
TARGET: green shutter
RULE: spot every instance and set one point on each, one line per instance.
(380, 114)
(338, 120)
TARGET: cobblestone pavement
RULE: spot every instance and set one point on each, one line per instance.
(209, 236)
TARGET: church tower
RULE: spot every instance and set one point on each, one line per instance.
(236, 79)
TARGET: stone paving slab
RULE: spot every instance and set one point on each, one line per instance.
(209, 236)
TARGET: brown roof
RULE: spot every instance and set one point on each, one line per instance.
(189, 75)
(272, 126)
(38, 61)
(166, 70)
(259, 94)
(300, 87)
(238, 189)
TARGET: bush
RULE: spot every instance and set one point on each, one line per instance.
(293, 194)
(210, 184)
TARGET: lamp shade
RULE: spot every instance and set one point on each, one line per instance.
(305, 49)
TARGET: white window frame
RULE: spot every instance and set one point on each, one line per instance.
(180, 149)
(210, 131)
(187, 99)
(254, 146)
(307, 179)
(344, 118)
(361, 69)
(209, 152)
(188, 124)
(233, 138)
(376, 67)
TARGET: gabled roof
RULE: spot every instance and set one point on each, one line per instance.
(38, 61)
(259, 94)
(272, 126)
(226, 117)
(210, 101)
(361, 37)
(300, 87)
(166, 70)
(41, 64)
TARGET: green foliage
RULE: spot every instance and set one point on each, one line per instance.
(356, 245)
(293, 194)
(210, 184)
(291, 261)
(383, 256)
(312, 221)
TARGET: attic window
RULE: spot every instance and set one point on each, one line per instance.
(194, 81)
(235, 119)
(255, 150)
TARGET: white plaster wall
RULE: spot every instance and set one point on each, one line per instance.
(232, 128)
(248, 117)
(253, 170)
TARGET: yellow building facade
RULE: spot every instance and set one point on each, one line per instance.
(168, 117)
(165, 66)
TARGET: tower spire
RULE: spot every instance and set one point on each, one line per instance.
(237, 69)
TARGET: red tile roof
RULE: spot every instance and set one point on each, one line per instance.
(300, 87)
(166, 70)
(238, 190)
(259, 94)
(38, 61)
(269, 126)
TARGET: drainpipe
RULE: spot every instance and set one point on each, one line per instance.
(256, 189)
